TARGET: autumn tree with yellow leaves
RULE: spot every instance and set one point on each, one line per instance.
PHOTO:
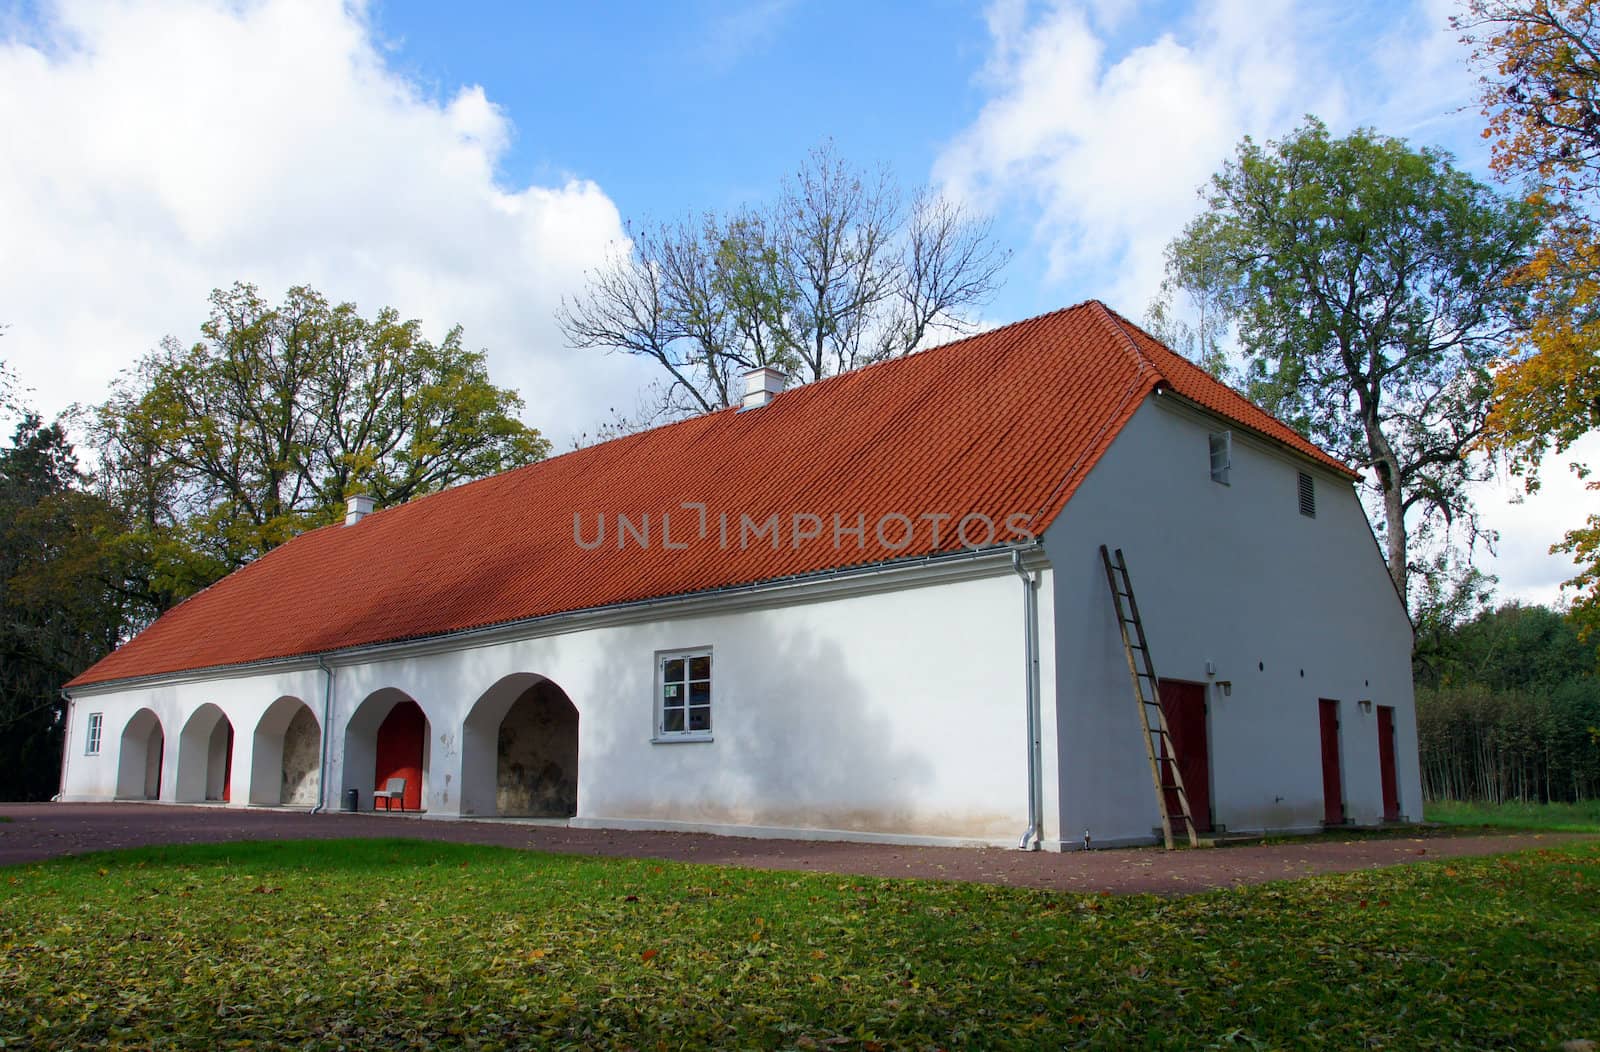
(1540, 61)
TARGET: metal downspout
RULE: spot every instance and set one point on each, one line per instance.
(1030, 610)
(322, 761)
(66, 747)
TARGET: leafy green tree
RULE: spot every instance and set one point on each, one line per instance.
(1508, 708)
(220, 451)
(1511, 647)
(59, 607)
(1367, 284)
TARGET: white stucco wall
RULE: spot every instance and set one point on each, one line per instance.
(1289, 609)
(895, 712)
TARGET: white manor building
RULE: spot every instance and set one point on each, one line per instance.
(873, 607)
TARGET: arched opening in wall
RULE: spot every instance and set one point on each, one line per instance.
(387, 738)
(286, 756)
(139, 757)
(519, 751)
(205, 757)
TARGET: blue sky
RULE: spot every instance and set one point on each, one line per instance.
(470, 162)
(674, 106)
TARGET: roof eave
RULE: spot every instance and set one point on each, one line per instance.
(892, 573)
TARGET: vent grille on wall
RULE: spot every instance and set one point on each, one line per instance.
(1308, 496)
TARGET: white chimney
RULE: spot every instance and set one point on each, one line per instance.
(762, 386)
(356, 508)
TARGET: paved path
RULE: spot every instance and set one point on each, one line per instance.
(40, 831)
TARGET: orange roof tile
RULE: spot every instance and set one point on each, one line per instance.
(1004, 423)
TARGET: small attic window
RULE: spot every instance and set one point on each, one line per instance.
(1308, 496)
(1221, 455)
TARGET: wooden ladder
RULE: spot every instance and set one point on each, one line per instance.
(1146, 691)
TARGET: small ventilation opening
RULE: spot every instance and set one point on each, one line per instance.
(1308, 496)
(1221, 455)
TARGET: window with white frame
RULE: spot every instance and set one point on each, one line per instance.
(91, 745)
(683, 694)
(1221, 456)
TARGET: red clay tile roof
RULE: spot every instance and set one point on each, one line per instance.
(1005, 422)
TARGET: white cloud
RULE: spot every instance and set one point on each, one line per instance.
(1529, 524)
(1104, 146)
(158, 150)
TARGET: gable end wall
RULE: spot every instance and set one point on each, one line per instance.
(1288, 609)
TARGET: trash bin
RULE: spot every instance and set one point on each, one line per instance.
(352, 800)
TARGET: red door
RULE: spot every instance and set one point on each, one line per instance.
(161, 757)
(227, 767)
(1332, 786)
(399, 750)
(1184, 705)
(1391, 785)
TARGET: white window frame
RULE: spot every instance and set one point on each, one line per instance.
(91, 741)
(1221, 441)
(683, 686)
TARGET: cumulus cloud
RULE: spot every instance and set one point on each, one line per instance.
(158, 150)
(1104, 140)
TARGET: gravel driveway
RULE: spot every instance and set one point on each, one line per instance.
(41, 831)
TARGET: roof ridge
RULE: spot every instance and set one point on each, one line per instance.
(1117, 323)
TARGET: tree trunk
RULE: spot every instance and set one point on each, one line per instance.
(1394, 532)
(1387, 466)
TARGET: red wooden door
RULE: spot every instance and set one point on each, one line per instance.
(227, 767)
(1184, 705)
(399, 750)
(1391, 785)
(1332, 785)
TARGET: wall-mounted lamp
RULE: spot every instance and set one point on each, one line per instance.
(1366, 706)
(1227, 687)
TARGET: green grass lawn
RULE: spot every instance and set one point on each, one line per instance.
(1566, 818)
(409, 944)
